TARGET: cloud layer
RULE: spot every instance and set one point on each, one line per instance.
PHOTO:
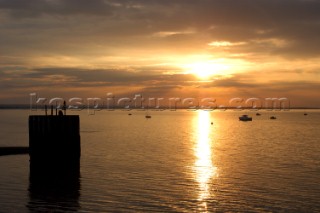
(93, 45)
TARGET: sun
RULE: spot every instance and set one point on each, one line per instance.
(206, 69)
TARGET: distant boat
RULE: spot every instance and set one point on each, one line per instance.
(245, 118)
(147, 114)
(258, 114)
(273, 117)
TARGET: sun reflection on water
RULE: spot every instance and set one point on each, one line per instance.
(203, 167)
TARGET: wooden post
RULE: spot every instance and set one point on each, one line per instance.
(64, 108)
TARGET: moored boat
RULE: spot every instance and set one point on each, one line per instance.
(245, 118)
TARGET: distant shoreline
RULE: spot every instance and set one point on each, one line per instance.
(27, 107)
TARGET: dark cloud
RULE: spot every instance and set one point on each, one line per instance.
(116, 76)
(73, 77)
(231, 82)
(244, 20)
(239, 82)
(66, 26)
(34, 8)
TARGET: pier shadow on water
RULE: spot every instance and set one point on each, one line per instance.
(55, 187)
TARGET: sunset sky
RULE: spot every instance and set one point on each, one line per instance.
(160, 48)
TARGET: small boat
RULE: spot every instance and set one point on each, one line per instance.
(273, 117)
(258, 114)
(245, 118)
(147, 114)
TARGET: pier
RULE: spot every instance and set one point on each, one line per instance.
(55, 150)
(54, 139)
(13, 150)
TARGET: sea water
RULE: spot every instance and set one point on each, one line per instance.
(177, 161)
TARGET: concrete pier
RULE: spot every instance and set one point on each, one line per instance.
(54, 178)
(54, 139)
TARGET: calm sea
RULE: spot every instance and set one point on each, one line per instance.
(175, 162)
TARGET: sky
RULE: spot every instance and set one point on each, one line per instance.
(160, 48)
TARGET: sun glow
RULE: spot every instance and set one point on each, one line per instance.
(206, 69)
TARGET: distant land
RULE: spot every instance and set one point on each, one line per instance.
(27, 106)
